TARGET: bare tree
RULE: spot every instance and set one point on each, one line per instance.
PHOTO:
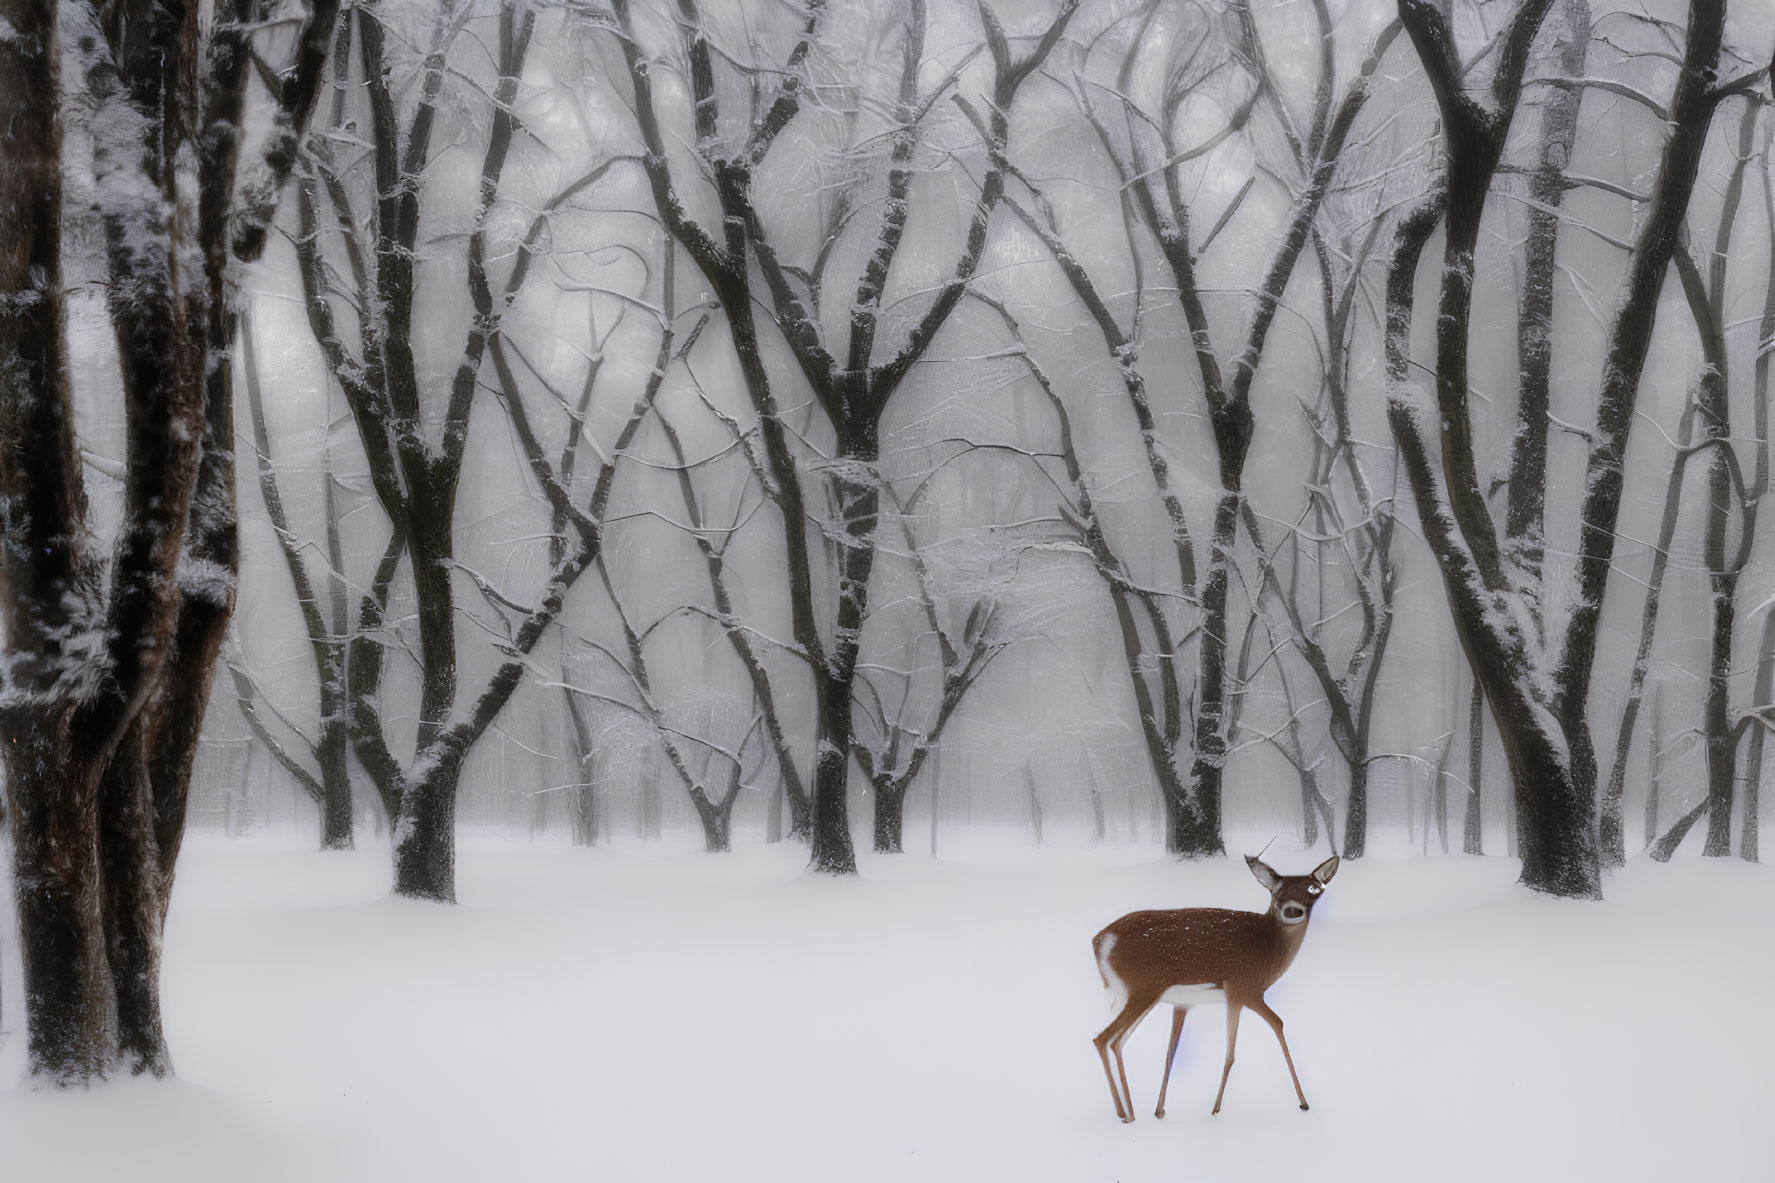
(1729, 499)
(852, 384)
(1140, 119)
(325, 776)
(1763, 693)
(908, 707)
(416, 480)
(713, 542)
(109, 662)
(1538, 692)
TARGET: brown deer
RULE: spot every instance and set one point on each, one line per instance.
(1189, 956)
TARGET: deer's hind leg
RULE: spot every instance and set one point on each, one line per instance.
(1232, 1036)
(1109, 1041)
(1177, 1017)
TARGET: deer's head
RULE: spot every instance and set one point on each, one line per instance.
(1293, 896)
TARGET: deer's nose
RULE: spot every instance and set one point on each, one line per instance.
(1293, 913)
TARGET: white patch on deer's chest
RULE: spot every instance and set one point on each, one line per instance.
(1193, 995)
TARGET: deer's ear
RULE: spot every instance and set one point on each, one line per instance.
(1265, 876)
(1325, 870)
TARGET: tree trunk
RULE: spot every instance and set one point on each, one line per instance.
(585, 815)
(1612, 837)
(1654, 763)
(717, 819)
(1195, 830)
(859, 503)
(135, 908)
(1554, 811)
(1472, 829)
(425, 837)
(890, 814)
(1722, 738)
(109, 668)
(1356, 812)
(71, 1001)
(1753, 756)
(584, 809)
(1524, 525)
(335, 779)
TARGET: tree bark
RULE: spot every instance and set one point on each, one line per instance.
(109, 671)
(854, 392)
(890, 812)
(1612, 837)
(1545, 732)
(1524, 515)
(1472, 828)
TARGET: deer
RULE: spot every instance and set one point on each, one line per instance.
(1189, 956)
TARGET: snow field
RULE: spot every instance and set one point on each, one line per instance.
(660, 1014)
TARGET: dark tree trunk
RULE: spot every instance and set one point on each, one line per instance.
(1195, 829)
(107, 684)
(425, 837)
(717, 820)
(1748, 834)
(1748, 841)
(1356, 812)
(1691, 112)
(584, 808)
(1554, 814)
(1654, 763)
(1472, 829)
(415, 481)
(137, 894)
(1612, 837)
(1524, 513)
(1722, 737)
(1546, 736)
(1706, 295)
(71, 1005)
(890, 813)
(335, 778)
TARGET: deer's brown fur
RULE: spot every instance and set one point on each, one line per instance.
(1187, 956)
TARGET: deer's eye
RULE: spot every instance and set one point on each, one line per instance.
(1314, 889)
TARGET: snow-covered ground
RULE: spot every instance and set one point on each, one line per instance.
(659, 1014)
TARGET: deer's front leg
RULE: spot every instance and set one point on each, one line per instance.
(1275, 1022)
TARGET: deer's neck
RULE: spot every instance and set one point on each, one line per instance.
(1287, 937)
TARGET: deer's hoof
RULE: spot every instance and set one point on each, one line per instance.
(1303, 1106)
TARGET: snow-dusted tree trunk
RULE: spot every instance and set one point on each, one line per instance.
(1538, 693)
(108, 670)
(1763, 695)
(1525, 495)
